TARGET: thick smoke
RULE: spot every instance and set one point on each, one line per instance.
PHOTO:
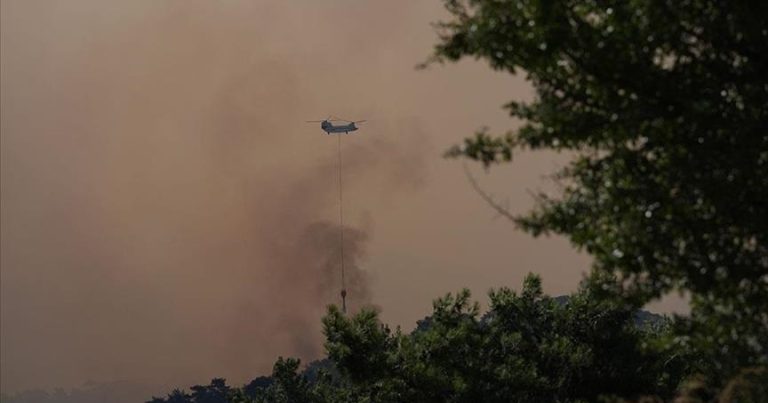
(166, 214)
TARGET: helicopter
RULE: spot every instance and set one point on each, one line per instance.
(329, 128)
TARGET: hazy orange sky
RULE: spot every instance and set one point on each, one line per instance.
(167, 215)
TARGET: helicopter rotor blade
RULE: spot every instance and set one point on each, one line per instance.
(338, 119)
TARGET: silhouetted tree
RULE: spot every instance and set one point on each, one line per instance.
(663, 104)
(528, 347)
(177, 396)
(216, 392)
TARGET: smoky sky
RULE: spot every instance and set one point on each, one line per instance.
(168, 216)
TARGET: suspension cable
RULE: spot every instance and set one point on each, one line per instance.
(341, 234)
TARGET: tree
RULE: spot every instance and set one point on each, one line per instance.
(177, 396)
(528, 347)
(664, 104)
(216, 392)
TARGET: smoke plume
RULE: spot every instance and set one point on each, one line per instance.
(167, 216)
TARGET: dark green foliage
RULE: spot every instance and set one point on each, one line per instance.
(528, 347)
(664, 104)
(258, 386)
(216, 392)
(288, 386)
(360, 345)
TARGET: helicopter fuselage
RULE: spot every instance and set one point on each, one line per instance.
(329, 127)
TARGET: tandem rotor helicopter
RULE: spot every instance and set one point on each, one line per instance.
(329, 128)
